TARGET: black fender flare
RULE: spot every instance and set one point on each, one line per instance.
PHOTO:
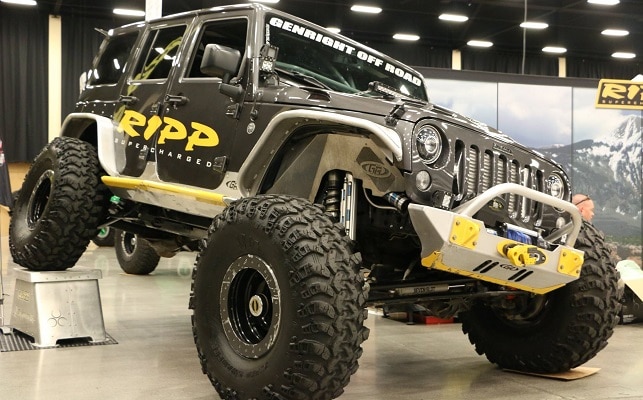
(384, 144)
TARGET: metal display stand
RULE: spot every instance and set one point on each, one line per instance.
(50, 306)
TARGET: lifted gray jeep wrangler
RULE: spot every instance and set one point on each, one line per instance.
(315, 178)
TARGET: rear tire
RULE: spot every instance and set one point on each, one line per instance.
(135, 255)
(572, 325)
(278, 302)
(59, 207)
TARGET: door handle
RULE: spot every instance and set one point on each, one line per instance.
(176, 100)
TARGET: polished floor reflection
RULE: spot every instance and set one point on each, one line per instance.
(155, 357)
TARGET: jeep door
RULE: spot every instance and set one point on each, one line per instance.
(106, 78)
(196, 150)
(140, 118)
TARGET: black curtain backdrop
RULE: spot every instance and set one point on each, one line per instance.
(599, 69)
(23, 82)
(489, 60)
(416, 55)
(80, 43)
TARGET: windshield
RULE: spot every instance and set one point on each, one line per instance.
(334, 62)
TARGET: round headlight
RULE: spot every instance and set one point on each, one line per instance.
(429, 144)
(556, 186)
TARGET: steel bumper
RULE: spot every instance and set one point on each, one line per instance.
(455, 242)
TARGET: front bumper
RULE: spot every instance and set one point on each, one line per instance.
(455, 242)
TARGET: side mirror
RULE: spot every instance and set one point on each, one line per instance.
(220, 62)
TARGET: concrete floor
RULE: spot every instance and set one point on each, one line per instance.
(155, 357)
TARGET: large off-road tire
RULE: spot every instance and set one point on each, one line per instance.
(594, 239)
(135, 255)
(278, 302)
(104, 237)
(59, 207)
(566, 327)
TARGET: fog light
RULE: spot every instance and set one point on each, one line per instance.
(423, 181)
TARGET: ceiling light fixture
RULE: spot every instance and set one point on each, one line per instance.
(453, 17)
(620, 54)
(129, 12)
(534, 25)
(21, 2)
(366, 9)
(406, 36)
(554, 49)
(479, 43)
(333, 29)
(615, 32)
(604, 2)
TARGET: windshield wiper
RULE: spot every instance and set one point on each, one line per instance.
(389, 92)
(303, 77)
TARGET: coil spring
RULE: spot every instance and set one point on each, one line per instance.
(333, 196)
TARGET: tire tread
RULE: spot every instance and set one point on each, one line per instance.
(75, 209)
(594, 304)
(333, 297)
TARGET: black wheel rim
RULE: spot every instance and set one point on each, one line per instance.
(250, 306)
(129, 243)
(39, 198)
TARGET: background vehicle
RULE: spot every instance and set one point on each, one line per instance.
(334, 184)
(135, 255)
(104, 238)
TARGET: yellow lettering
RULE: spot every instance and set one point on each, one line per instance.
(203, 136)
(152, 125)
(633, 90)
(174, 130)
(613, 90)
(130, 120)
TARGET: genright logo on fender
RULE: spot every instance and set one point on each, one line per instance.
(375, 169)
(231, 184)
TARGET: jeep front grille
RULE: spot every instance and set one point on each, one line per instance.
(485, 168)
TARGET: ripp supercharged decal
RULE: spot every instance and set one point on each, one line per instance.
(200, 136)
(137, 125)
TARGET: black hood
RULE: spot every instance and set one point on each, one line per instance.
(415, 110)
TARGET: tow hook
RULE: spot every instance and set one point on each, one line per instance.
(521, 254)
